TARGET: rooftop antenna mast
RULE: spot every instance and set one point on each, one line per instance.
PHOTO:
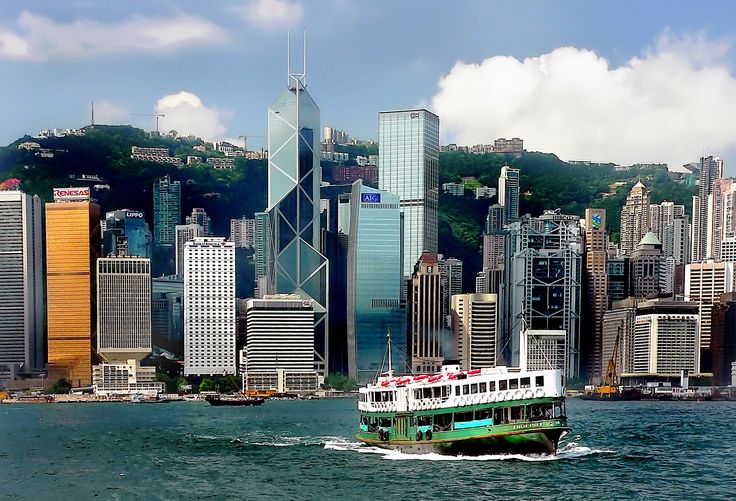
(93, 113)
(299, 80)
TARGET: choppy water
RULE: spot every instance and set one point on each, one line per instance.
(305, 450)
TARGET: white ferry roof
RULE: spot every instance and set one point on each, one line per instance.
(448, 373)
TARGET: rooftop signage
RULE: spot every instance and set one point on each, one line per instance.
(71, 194)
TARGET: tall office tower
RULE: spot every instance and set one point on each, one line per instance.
(711, 169)
(21, 295)
(634, 218)
(374, 286)
(646, 267)
(496, 219)
(185, 233)
(618, 324)
(728, 205)
(494, 249)
(166, 210)
(715, 218)
(704, 283)
(209, 306)
(543, 277)
(723, 338)
(260, 254)
(409, 167)
(618, 278)
(126, 233)
(676, 240)
(596, 279)
(242, 232)
(508, 193)
(200, 217)
(167, 314)
(295, 264)
(662, 215)
(279, 351)
(123, 308)
(72, 248)
(451, 273)
(425, 334)
(475, 326)
(666, 338)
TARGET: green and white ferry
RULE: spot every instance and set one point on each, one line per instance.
(465, 412)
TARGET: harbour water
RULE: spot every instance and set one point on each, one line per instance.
(306, 450)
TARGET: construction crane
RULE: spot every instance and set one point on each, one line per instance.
(245, 137)
(157, 115)
(610, 381)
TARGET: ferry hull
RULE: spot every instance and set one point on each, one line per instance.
(527, 442)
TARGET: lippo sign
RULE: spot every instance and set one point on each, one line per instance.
(71, 194)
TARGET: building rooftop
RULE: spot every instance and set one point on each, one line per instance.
(650, 239)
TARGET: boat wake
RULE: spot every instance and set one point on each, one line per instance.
(267, 440)
(571, 450)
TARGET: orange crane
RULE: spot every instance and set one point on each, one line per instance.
(610, 382)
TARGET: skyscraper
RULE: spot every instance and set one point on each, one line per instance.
(123, 308)
(374, 280)
(72, 249)
(200, 217)
(596, 279)
(508, 192)
(425, 333)
(126, 234)
(185, 233)
(711, 169)
(646, 267)
(209, 306)
(242, 232)
(475, 326)
(166, 210)
(451, 273)
(408, 166)
(21, 294)
(295, 264)
(167, 313)
(634, 218)
(260, 254)
(662, 215)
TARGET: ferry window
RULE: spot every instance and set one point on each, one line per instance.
(384, 422)
(474, 388)
(417, 394)
(437, 392)
(513, 384)
(482, 387)
(446, 391)
(372, 424)
(491, 386)
(457, 390)
(463, 416)
(443, 422)
(515, 413)
(426, 392)
(499, 416)
(539, 381)
(559, 409)
(424, 421)
(502, 385)
(526, 382)
(483, 414)
(466, 389)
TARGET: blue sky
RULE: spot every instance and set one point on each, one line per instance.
(364, 57)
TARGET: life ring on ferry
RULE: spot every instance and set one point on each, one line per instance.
(528, 394)
(428, 434)
(540, 392)
(517, 395)
(419, 435)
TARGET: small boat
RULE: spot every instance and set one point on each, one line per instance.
(239, 399)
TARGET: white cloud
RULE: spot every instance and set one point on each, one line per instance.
(37, 37)
(269, 14)
(186, 114)
(666, 106)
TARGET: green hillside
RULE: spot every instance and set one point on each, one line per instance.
(104, 151)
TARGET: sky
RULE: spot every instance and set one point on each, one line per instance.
(625, 81)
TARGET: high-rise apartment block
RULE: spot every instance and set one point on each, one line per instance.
(21, 296)
(409, 167)
(166, 210)
(123, 308)
(72, 248)
(451, 273)
(508, 192)
(295, 263)
(425, 329)
(279, 351)
(242, 232)
(634, 218)
(185, 233)
(199, 216)
(475, 326)
(209, 306)
(260, 254)
(711, 170)
(374, 285)
(662, 215)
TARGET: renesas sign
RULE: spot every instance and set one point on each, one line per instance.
(370, 198)
(71, 194)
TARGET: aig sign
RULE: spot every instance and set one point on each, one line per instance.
(370, 198)
(71, 194)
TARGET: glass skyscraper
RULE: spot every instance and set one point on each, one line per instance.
(374, 280)
(408, 166)
(166, 210)
(126, 233)
(295, 265)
